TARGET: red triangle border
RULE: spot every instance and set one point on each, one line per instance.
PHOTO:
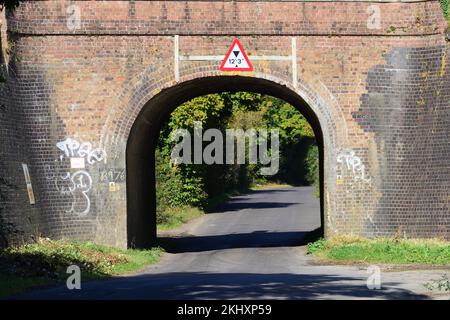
(222, 65)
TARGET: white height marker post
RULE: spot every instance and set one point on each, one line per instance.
(176, 66)
(294, 62)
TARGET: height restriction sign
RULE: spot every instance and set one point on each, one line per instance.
(236, 59)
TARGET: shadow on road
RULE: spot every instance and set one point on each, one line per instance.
(257, 239)
(206, 285)
(243, 201)
(236, 205)
(289, 286)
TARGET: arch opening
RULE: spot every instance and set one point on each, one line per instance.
(143, 137)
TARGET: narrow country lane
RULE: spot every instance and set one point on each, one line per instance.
(250, 248)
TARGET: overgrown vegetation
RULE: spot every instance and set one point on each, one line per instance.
(442, 284)
(176, 216)
(382, 250)
(46, 263)
(312, 165)
(187, 186)
(445, 9)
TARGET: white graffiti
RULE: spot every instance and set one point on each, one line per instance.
(74, 148)
(353, 165)
(77, 185)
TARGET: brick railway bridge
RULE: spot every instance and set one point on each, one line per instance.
(89, 83)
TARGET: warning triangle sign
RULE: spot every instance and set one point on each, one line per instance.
(236, 59)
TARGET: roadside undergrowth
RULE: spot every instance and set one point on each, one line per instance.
(46, 262)
(382, 250)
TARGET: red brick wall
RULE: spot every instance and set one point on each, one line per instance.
(381, 96)
(229, 17)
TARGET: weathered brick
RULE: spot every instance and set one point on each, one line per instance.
(381, 97)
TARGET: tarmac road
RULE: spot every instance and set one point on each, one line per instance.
(251, 248)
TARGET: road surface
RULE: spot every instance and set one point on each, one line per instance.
(250, 248)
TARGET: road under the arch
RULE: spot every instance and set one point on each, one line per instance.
(251, 248)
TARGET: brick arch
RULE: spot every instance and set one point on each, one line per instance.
(151, 106)
(144, 87)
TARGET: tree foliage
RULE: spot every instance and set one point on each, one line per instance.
(445, 8)
(195, 184)
(9, 4)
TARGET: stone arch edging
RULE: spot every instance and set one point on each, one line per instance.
(327, 109)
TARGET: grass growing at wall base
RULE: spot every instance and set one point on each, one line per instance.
(45, 263)
(382, 250)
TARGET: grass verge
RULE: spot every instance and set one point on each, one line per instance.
(45, 263)
(175, 217)
(269, 185)
(382, 250)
